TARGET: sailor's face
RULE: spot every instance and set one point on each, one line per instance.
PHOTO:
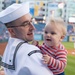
(24, 28)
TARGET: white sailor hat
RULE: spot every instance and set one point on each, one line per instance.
(14, 12)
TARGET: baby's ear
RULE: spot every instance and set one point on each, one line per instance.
(62, 37)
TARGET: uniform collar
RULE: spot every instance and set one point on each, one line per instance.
(16, 39)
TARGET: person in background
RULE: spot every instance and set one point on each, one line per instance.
(20, 57)
(54, 53)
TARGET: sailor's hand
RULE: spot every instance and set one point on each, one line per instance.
(34, 42)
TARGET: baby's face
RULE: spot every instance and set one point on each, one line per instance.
(52, 35)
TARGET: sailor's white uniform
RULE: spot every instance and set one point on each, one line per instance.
(28, 59)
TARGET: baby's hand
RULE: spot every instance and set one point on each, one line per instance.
(46, 58)
(34, 42)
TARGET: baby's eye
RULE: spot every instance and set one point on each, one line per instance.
(53, 33)
(46, 32)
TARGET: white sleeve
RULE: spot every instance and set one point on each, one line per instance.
(24, 71)
(35, 64)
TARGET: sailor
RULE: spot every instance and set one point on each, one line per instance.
(20, 57)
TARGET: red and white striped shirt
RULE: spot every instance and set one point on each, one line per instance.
(58, 58)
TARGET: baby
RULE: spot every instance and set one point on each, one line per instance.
(54, 53)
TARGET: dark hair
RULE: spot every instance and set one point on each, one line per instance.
(8, 24)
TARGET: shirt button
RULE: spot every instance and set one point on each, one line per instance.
(10, 60)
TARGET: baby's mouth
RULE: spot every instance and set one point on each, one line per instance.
(48, 39)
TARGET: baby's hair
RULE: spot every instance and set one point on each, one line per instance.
(59, 23)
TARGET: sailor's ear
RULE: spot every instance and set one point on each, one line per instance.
(11, 31)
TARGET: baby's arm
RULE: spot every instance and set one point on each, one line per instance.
(59, 62)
